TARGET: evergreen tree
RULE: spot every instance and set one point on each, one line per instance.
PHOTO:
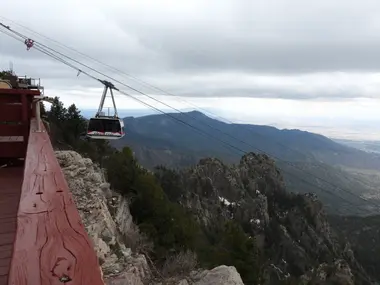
(57, 113)
(43, 112)
(74, 125)
(170, 181)
(122, 170)
(5, 73)
(236, 248)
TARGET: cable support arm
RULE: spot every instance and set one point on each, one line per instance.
(107, 86)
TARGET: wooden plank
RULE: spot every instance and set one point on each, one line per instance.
(51, 242)
(12, 149)
(4, 262)
(10, 112)
(8, 210)
(9, 199)
(10, 193)
(6, 254)
(10, 190)
(8, 202)
(26, 113)
(11, 139)
(7, 226)
(19, 91)
(5, 223)
(4, 270)
(7, 238)
(12, 129)
(6, 247)
(5, 99)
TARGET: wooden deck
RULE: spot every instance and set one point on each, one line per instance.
(14, 124)
(15, 113)
(51, 246)
(10, 189)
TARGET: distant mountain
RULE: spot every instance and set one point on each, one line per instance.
(160, 139)
(291, 145)
(88, 113)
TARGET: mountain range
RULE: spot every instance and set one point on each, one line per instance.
(243, 214)
(342, 176)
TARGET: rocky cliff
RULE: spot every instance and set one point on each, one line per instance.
(109, 223)
(296, 243)
(295, 240)
(363, 235)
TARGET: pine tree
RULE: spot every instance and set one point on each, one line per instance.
(43, 112)
(75, 124)
(122, 170)
(5, 73)
(238, 249)
(57, 113)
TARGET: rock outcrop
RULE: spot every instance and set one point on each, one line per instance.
(291, 229)
(338, 272)
(219, 275)
(106, 217)
(362, 233)
(224, 275)
(108, 222)
(300, 247)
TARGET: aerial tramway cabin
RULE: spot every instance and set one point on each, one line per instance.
(106, 127)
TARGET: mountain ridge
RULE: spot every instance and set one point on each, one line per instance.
(249, 137)
(160, 139)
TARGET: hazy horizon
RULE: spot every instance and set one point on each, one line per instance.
(350, 134)
(260, 62)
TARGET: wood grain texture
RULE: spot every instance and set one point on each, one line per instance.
(10, 190)
(51, 245)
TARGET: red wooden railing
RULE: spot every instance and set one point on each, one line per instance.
(42, 238)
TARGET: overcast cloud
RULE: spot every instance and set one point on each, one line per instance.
(318, 55)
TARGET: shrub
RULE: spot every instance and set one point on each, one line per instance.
(180, 265)
(138, 241)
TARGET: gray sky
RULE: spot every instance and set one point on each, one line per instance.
(293, 63)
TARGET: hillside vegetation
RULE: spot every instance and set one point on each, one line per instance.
(238, 215)
(309, 162)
